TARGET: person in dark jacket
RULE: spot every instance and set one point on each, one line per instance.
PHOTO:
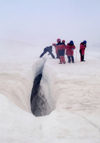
(49, 50)
(82, 50)
(70, 51)
(61, 52)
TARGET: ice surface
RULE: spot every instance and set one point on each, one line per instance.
(72, 90)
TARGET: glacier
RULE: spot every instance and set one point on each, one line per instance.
(71, 91)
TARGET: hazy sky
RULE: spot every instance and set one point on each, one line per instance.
(43, 21)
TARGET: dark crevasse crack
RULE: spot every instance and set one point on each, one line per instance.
(39, 104)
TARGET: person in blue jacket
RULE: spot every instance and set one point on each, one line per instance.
(49, 50)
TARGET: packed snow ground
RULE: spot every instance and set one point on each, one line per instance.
(72, 91)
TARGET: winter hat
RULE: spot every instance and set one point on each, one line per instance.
(63, 41)
(84, 42)
(71, 43)
(58, 40)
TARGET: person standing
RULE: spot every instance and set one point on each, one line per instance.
(82, 50)
(70, 51)
(60, 50)
(57, 47)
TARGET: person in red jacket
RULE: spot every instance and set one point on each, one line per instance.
(56, 46)
(70, 51)
(82, 50)
(60, 50)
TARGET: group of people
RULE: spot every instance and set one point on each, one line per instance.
(61, 49)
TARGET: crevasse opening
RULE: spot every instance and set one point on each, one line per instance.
(39, 103)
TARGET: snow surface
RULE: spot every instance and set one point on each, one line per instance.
(72, 90)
